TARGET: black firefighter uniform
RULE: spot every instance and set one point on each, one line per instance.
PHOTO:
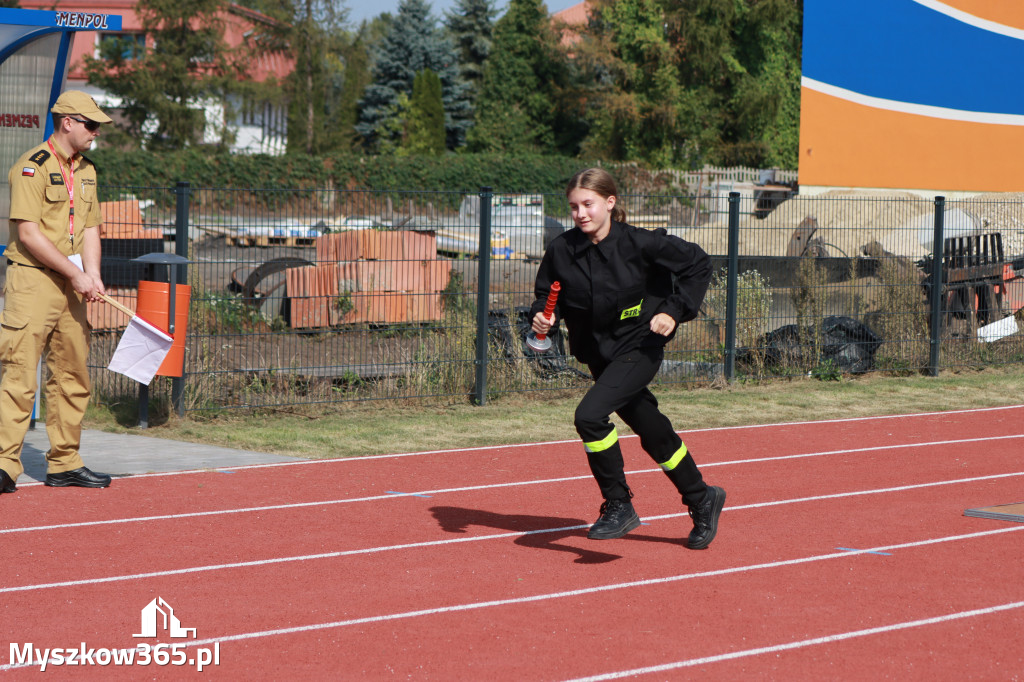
(610, 291)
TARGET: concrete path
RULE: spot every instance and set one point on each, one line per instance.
(126, 454)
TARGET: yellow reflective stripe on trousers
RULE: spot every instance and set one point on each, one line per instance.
(603, 444)
(674, 461)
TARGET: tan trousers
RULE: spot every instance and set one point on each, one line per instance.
(42, 313)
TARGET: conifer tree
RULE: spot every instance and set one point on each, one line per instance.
(426, 116)
(470, 25)
(413, 43)
(354, 53)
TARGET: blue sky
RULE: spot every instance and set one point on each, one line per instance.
(368, 9)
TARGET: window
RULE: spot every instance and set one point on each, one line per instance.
(125, 46)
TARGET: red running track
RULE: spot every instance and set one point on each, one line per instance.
(843, 553)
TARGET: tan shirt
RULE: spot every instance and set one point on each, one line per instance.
(39, 195)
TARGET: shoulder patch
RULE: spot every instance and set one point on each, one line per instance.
(39, 157)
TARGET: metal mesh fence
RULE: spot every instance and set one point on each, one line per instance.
(305, 297)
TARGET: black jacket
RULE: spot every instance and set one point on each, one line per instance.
(612, 289)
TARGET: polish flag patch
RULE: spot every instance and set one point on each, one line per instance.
(28, 171)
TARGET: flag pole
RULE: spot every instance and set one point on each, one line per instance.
(117, 304)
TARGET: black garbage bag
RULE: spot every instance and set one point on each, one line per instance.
(510, 337)
(848, 344)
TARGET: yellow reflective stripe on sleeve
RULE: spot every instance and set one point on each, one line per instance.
(674, 461)
(603, 444)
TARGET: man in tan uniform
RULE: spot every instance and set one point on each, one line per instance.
(53, 268)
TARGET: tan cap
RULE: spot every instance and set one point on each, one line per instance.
(77, 102)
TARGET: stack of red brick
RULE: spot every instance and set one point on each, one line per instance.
(369, 276)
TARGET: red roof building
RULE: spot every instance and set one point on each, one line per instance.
(256, 129)
(577, 15)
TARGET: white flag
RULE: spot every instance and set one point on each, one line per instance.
(141, 351)
(997, 330)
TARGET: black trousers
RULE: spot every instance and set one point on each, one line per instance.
(620, 387)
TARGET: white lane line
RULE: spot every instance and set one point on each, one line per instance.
(472, 606)
(484, 448)
(884, 417)
(828, 639)
(391, 496)
(451, 541)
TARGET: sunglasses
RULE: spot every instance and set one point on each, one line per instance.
(91, 126)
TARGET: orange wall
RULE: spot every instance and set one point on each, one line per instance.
(848, 144)
(910, 94)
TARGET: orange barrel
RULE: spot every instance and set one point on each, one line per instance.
(154, 306)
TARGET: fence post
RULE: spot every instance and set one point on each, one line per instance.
(935, 295)
(181, 244)
(731, 285)
(483, 295)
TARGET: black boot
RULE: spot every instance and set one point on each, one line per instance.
(6, 483)
(617, 514)
(617, 518)
(705, 518)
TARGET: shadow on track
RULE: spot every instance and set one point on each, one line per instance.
(540, 532)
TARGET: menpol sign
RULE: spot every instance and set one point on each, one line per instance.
(80, 20)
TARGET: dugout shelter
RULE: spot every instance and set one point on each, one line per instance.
(35, 50)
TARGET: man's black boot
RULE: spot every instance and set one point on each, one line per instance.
(6, 483)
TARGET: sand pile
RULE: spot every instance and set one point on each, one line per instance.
(848, 220)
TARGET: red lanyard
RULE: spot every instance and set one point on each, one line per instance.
(70, 185)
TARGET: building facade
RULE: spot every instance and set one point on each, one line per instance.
(253, 127)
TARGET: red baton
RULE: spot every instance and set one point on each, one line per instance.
(540, 342)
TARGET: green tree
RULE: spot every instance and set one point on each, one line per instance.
(354, 54)
(314, 73)
(771, 42)
(739, 63)
(471, 25)
(393, 130)
(312, 33)
(185, 64)
(633, 104)
(413, 43)
(426, 116)
(523, 105)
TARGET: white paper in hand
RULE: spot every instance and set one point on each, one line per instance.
(140, 351)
